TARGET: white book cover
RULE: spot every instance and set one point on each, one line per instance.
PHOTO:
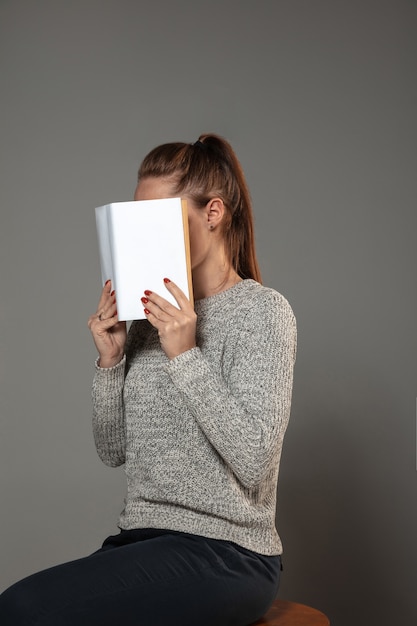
(140, 243)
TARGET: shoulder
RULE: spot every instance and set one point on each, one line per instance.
(263, 319)
(256, 299)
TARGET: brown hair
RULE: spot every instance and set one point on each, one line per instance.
(206, 169)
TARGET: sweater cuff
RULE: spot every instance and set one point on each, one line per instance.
(184, 367)
(110, 376)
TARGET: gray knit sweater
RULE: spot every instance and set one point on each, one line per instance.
(201, 435)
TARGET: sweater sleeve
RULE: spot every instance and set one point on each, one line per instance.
(108, 407)
(108, 413)
(245, 416)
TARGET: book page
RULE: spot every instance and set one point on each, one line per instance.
(143, 242)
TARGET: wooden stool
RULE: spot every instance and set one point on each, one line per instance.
(283, 613)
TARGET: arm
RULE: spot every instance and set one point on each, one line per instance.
(109, 336)
(245, 416)
(108, 413)
(108, 407)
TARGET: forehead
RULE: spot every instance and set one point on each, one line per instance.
(153, 188)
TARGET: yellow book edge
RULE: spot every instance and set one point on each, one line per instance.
(187, 249)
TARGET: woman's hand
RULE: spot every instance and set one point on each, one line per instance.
(108, 333)
(176, 327)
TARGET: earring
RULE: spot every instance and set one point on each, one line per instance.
(211, 226)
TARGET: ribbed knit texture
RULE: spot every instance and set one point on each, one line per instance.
(201, 435)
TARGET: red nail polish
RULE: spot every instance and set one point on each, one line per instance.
(107, 282)
(146, 311)
(145, 300)
(166, 280)
(147, 292)
(113, 292)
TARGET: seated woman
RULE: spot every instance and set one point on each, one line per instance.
(194, 402)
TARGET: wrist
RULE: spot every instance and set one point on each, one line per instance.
(107, 362)
(174, 354)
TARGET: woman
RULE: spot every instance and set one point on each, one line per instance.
(194, 402)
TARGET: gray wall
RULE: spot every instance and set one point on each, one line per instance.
(319, 100)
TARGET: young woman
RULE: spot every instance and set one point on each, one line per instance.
(194, 402)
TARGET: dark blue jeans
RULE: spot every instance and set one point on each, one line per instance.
(148, 578)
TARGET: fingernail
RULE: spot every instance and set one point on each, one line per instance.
(113, 292)
(166, 280)
(145, 300)
(107, 282)
(147, 292)
(146, 311)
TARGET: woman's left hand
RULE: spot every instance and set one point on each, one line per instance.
(176, 327)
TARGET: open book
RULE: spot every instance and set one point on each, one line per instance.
(141, 243)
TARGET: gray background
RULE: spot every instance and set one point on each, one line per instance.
(319, 100)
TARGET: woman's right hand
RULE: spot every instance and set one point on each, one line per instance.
(108, 333)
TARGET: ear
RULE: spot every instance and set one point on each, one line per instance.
(215, 210)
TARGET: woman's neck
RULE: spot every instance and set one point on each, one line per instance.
(207, 281)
